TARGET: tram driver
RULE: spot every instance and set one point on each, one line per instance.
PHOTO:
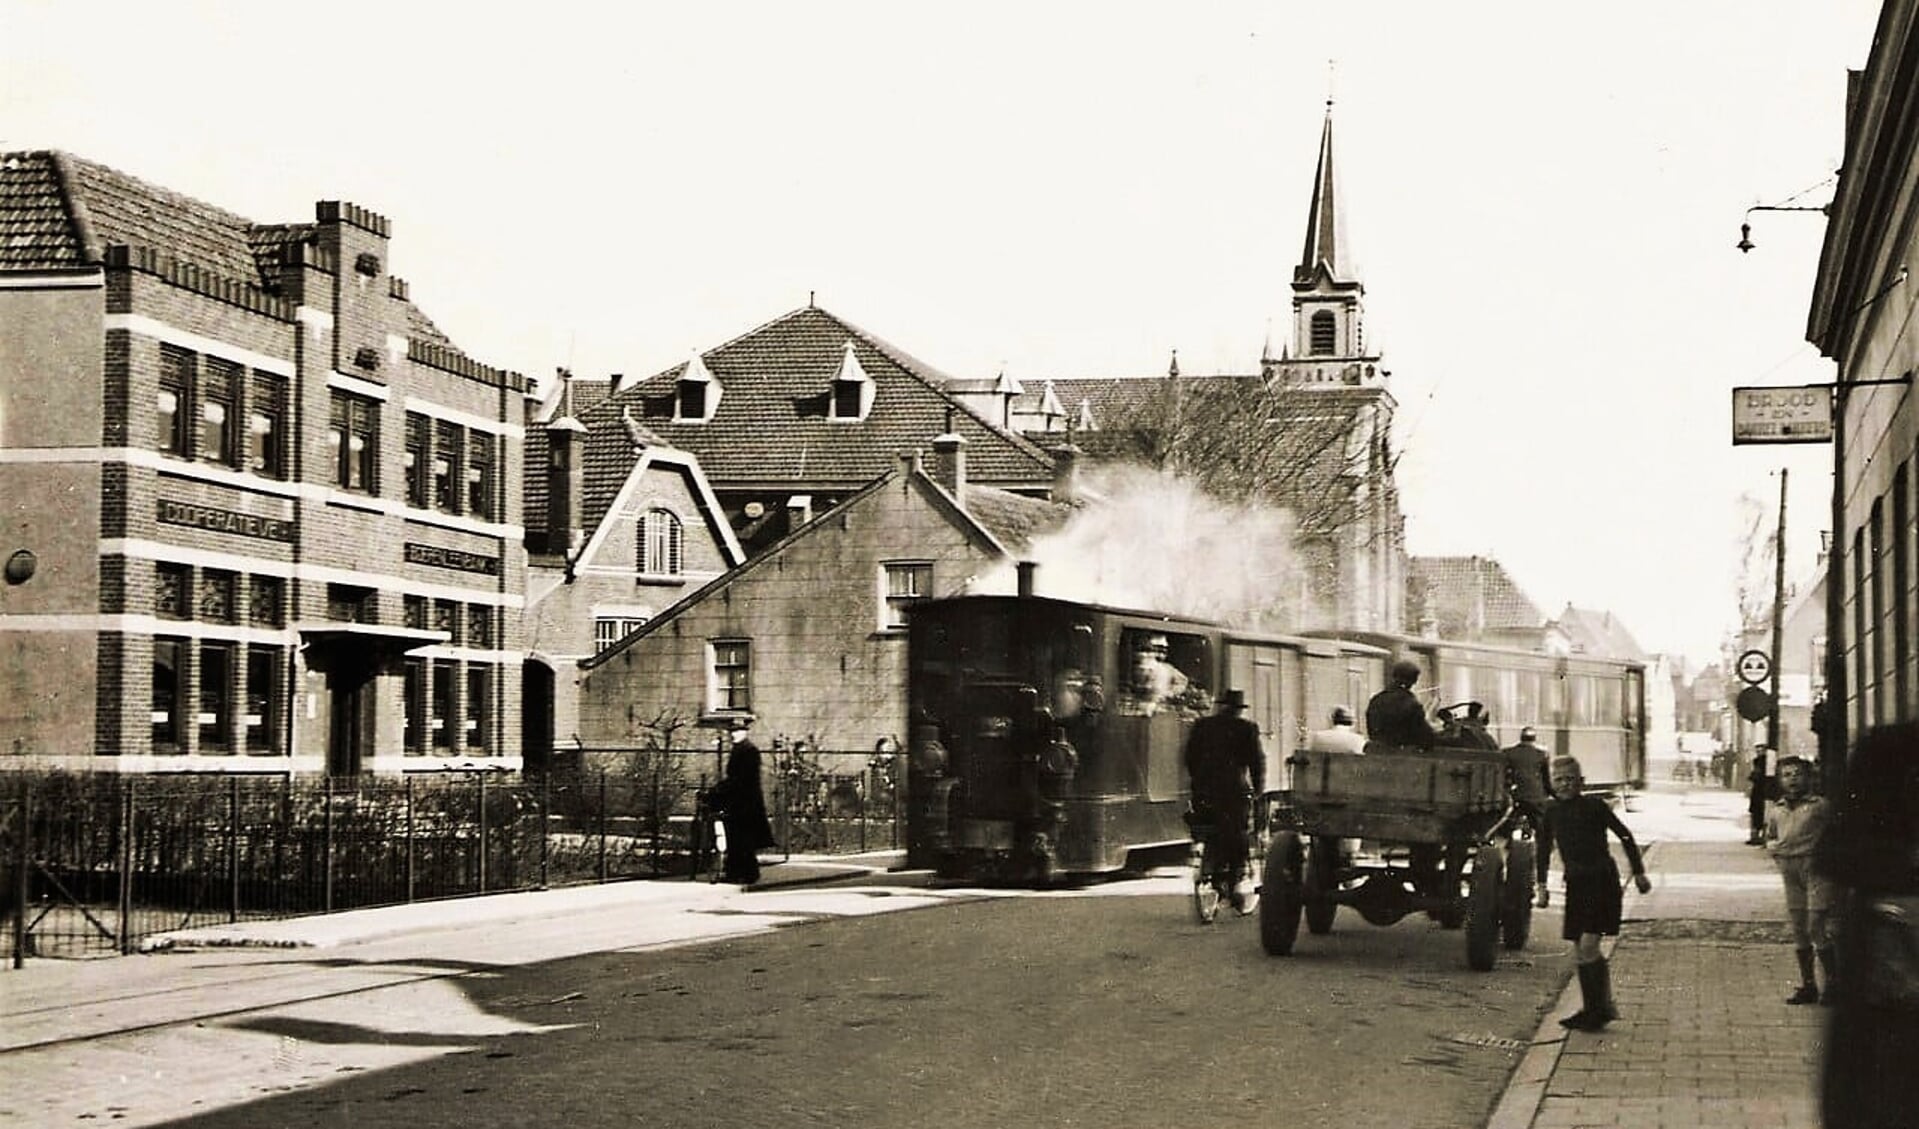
(1154, 678)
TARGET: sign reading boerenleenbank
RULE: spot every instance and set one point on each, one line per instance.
(1782, 415)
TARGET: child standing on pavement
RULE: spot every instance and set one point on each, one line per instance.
(1794, 823)
(1577, 824)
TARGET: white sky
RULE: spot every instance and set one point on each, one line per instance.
(1543, 206)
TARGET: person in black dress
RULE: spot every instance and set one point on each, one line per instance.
(1577, 824)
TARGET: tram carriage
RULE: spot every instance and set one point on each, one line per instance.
(1047, 735)
(1587, 707)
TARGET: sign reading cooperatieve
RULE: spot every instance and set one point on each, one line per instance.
(1800, 414)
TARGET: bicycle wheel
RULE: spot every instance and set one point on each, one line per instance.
(1205, 890)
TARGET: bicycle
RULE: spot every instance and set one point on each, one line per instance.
(1213, 884)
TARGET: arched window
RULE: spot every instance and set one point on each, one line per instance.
(1325, 334)
(661, 543)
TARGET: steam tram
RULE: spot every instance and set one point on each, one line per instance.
(1046, 735)
(1590, 708)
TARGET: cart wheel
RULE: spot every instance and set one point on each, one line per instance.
(1516, 914)
(1482, 910)
(1321, 880)
(1205, 893)
(1279, 894)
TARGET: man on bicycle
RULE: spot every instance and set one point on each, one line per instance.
(1227, 768)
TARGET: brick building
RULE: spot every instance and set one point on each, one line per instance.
(259, 513)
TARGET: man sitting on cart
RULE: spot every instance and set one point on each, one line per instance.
(1227, 769)
(1395, 716)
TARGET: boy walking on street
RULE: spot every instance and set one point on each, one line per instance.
(1794, 823)
(1577, 824)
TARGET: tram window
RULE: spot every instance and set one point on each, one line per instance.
(1609, 704)
(1580, 708)
(1163, 670)
(1525, 696)
(1552, 699)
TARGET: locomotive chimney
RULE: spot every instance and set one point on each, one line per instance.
(1026, 570)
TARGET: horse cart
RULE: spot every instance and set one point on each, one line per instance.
(1436, 831)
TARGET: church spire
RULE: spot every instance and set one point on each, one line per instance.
(1325, 226)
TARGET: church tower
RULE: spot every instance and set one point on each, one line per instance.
(1328, 339)
(1355, 557)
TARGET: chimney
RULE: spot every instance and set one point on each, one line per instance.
(1026, 570)
(949, 464)
(1066, 474)
(799, 511)
(565, 482)
(910, 462)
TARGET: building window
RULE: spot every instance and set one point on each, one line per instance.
(267, 603)
(348, 603)
(732, 676)
(219, 384)
(174, 413)
(479, 474)
(479, 625)
(219, 593)
(216, 696)
(693, 399)
(171, 583)
(440, 719)
(907, 583)
(413, 612)
(846, 399)
(446, 466)
(413, 695)
(267, 425)
(662, 540)
(419, 447)
(446, 617)
(263, 700)
(479, 680)
(168, 676)
(610, 629)
(354, 434)
(1325, 334)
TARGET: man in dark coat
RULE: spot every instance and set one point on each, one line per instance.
(1395, 715)
(742, 809)
(1227, 768)
(1527, 774)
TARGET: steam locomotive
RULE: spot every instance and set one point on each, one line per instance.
(1046, 734)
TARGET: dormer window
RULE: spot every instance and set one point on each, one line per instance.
(852, 388)
(1325, 334)
(698, 393)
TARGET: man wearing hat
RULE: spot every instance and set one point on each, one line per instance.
(1527, 775)
(1227, 768)
(1395, 715)
(742, 807)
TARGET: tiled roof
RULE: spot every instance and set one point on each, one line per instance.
(61, 211)
(771, 427)
(1599, 633)
(1015, 519)
(1466, 596)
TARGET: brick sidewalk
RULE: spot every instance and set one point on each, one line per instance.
(1700, 975)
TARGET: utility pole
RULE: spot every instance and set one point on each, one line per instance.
(1778, 615)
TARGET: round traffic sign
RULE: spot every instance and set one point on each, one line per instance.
(1754, 667)
(1753, 704)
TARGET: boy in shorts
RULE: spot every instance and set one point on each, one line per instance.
(1794, 823)
(1577, 824)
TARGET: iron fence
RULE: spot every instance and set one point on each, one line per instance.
(96, 863)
